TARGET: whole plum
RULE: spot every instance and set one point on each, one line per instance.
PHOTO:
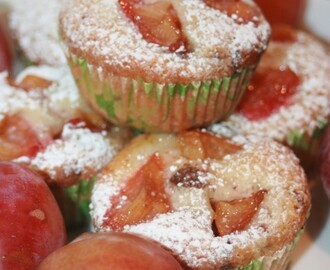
(115, 250)
(31, 224)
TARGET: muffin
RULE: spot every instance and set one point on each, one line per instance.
(288, 98)
(212, 203)
(46, 125)
(163, 65)
(34, 26)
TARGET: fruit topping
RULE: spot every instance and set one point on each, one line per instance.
(142, 197)
(239, 11)
(31, 224)
(235, 215)
(85, 123)
(19, 138)
(31, 82)
(111, 251)
(268, 91)
(157, 22)
(201, 145)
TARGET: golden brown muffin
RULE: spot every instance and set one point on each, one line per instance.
(133, 76)
(288, 98)
(212, 203)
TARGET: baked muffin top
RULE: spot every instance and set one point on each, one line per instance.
(43, 106)
(219, 45)
(195, 173)
(306, 109)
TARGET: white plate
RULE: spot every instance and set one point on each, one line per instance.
(313, 250)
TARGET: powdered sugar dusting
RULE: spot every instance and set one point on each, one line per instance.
(60, 100)
(100, 28)
(311, 104)
(14, 100)
(79, 152)
(102, 191)
(175, 231)
(76, 151)
(35, 25)
(62, 97)
(187, 230)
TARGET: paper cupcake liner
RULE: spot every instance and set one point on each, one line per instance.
(154, 107)
(306, 147)
(279, 261)
(74, 203)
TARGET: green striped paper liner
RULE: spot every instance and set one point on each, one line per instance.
(154, 107)
(307, 147)
(74, 202)
(279, 261)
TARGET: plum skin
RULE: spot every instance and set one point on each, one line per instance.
(31, 224)
(113, 250)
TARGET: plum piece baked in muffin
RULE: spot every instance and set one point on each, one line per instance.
(214, 204)
(288, 98)
(163, 65)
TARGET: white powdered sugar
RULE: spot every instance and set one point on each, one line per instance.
(60, 100)
(14, 100)
(310, 60)
(35, 26)
(174, 231)
(62, 97)
(100, 28)
(187, 229)
(76, 151)
(101, 191)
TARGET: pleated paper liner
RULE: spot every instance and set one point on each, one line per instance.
(74, 203)
(307, 147)
(279, 261)
(153, 107)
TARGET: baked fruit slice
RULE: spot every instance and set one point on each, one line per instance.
(158, 23)
(238, 10)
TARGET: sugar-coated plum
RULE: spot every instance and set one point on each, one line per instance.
(120, 251)
(31, 224)
(325, 161)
